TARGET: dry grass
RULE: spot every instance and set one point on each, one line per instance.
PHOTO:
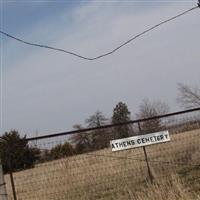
(168, 189)
(106, 175)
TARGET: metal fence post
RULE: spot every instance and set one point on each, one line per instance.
(146, 158)
(3, 193)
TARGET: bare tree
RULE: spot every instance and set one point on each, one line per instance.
(91, 140)
(99, 138)
(82, 141)
(151, 109)
(188, 96)
(96, 120)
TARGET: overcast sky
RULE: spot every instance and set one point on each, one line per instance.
(50, 91)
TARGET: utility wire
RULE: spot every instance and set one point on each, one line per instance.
(105, 54)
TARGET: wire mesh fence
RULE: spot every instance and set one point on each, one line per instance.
(81, 165)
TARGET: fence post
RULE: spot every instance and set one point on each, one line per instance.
(11, 178)
(146, 158)
(3, 193)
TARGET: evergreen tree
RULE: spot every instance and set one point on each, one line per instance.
(15, 152)
(121, 114)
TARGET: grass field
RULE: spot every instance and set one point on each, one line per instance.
(103, 175)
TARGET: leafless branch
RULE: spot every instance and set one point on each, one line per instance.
(188, 97)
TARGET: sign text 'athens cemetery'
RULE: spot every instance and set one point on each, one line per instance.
(140, 140)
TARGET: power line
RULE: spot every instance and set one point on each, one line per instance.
(105, 54)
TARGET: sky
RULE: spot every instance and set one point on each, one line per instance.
(45, 91)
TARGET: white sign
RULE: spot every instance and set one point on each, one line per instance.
(140, 140)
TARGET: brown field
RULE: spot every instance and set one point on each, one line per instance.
(103, 175)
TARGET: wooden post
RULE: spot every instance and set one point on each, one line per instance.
(13, 186)
(12, 179)
(3, 193)
(146, 158)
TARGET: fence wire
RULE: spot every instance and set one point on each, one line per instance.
(94, 172)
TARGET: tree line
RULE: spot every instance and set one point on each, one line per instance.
(16, 154)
